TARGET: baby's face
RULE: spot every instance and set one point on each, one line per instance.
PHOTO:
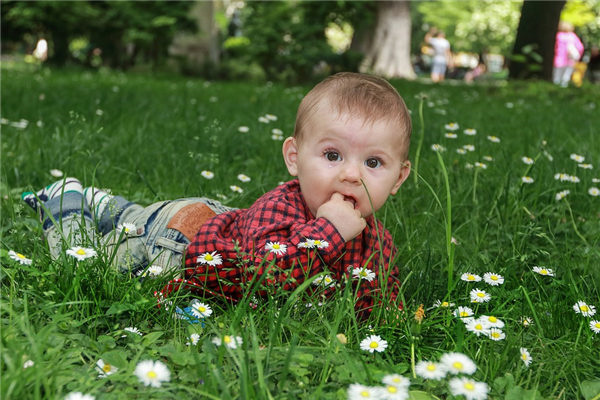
(338, 153)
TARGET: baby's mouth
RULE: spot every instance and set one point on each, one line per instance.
(351, 200)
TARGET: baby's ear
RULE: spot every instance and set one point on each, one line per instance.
(290, 155)
(404, 172)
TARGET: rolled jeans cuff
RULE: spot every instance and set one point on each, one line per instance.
(59, 208)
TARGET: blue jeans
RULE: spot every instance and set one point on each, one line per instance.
(69, 222)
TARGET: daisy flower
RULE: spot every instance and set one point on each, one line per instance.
(276, 247)
(373, 343)
(232, 342)
(443, 304)
(438, 147)
(596, 180)
(430, 370)
(363, 273)
(312, 243)
(480, 165)
(392, 392)
(451, 135)
(458, 363)
(470, 132)
(104, 369)
(200, 310)
(320, 244)
(543, 271)
(492, 321)
(585, 166)
(236, 188)
(478, 327)
(461, 151)
(277, 131)
(480, 296)
(79, 396)
(527, 179)
(19, 257)
(594, 191)
(526, 321)
(496, 334)
(126, 228)
(488, 158)
(525, 356)
(358, 392)
(271, 117)
(469, 147)
(132, 329)
(57, 173)
(153, 270)
(193, 339)
(325, 280)
(493, 139)
(577, 158)
(464, 313)
(81, 253)
(472, 390)
(493, 279)
(587, 310)
(243, 129)
(527, 160)
(207, 174)
(469, 277)
(152, 373)
(263, 120)
(452, 126)
(210, 258)
(243, 178)
(396, 380)
(594, 326)
(28, 364)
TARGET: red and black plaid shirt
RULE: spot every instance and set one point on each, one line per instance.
(273, 243)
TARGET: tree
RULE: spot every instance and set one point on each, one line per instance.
(533, 52)
(388, 51)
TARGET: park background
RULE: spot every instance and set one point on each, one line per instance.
(143, 97)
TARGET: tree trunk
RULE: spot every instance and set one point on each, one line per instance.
(389, 53)
(533, 53)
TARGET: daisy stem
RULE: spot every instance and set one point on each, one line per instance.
(412, 359)
(420, 142)
(475, 186)
(579, 333)
(575, 225)
(449, 247)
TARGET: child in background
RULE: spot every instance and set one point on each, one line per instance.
(349, 153)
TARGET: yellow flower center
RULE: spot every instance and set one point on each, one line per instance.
(276, 246)
(398, 380)
(469, 386)
(327, 279)
(317, 242)
(20, 255)
(227, 339)
(584, 308)
(392, 389)
(365, 394)
(494, 277)
(597, 325)
(480, 294)
(458, 365)
(496, 335)
(151, 375)
(363, 273)
(208, 257)
(493, 319)
(445, 304)
(107, 368)
(201, 309)
(471, 277)
(431, 367)
(374, 345)
(524, 356)
(525, 322)
(478, 327)
(544, 271)
(81, 252)
(464, 314)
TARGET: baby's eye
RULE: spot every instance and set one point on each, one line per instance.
(332, 156)
(372, 163)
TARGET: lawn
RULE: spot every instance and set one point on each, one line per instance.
(503, 201)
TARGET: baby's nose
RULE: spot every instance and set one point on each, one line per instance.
(350, 173)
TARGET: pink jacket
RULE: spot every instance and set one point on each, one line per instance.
(561, 54)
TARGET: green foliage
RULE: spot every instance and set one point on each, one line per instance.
(585, 17)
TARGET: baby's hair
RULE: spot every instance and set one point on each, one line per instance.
(367, 96)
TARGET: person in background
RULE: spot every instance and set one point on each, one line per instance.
(442, 57)
(567, 51)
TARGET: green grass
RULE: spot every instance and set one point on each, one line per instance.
(149, 138)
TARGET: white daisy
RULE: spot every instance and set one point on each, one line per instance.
(277, 137)
(480, 165)
(232, 342)
(19, 257)
(470, 277)
(57, 173)
(359, 392)
(373, 343)
(543, 271)
(527, 160)
(430, 370)
(451, 135)
(236, 188)
(585, 166)
(126, 228)
(392, 392)
(438, 147)
(243, 129)
(492, 322)
(325, 280)
(452, 126)
(271, 117)
(81, 253)
(458, 363)
(478, 327)
(493, 279)
(469, 147)
(276, 247)
(574, 179)
(200, 310)
(526, 321)
(493, 139)
(594, 191)
(525, 356)
(461, 151)
(263, 120)
(277, 131)
(587, 310)
(464, 313)
(480, 296)
(79, 396)
(472, 390)
(104, 369)
(243, 178)
(496, 334)
(154, 270)
(488, 158)
(527, 179)
(363, 273)
(30, 363)
(577, 158)
(396, 380)
(594, 326)
(320, 244)
(207, 174)
(470, 132)
(596, 180)
(152, 373)
(132, 329)
(442, 304)
(193, 339)
(210, 259)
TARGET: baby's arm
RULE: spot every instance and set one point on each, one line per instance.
(348, 221)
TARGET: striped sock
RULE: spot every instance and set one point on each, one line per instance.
(51, 191)
(97, 200)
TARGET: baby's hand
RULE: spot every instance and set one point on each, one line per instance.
(343, 216)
